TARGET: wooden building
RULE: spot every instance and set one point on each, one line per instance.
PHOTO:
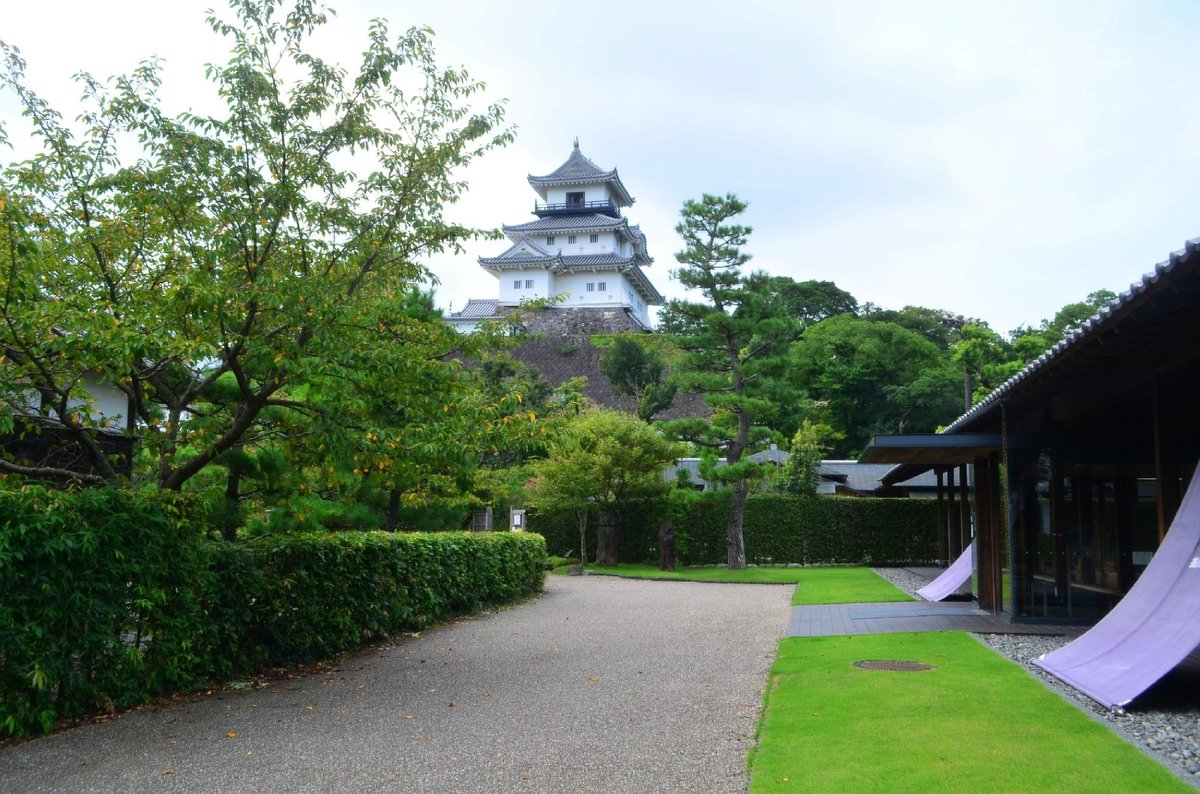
(1079, 461)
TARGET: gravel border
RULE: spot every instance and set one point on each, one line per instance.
(601, 684)
(1170, 734)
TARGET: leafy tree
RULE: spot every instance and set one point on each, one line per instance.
(1074, 315)
(801, 472)
(243, 279)
(637, 372)
(603, 461)
(936, 325)
(734, 349)
(874, 377)
(807, 302)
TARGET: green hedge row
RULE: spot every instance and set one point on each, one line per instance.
(776, 529)
(108, 598)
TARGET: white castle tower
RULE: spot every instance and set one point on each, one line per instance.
(580, 248)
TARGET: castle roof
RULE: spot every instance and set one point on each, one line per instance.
(581, 223)
(480, 309)
(579, 170)
(525, 254)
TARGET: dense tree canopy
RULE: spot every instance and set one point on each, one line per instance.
(245, 279)
(637, 372)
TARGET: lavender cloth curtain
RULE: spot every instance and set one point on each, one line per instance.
(1152, 629)
(952, 578)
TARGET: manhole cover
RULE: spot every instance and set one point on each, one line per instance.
(892, 665)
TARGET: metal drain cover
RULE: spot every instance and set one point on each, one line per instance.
(892, 665)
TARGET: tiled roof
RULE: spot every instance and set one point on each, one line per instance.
(563, 223)
(580, 170)
(596, 260)
(1138, 294)
(523, 251)
(480, 309)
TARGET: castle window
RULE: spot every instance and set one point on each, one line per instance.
(602, 286)
(517, 284)
(574, 199)
(591, 286)
(550, 239)
(593, 238)
(570, 239)
(528, 283)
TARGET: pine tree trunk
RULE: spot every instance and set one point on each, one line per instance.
(734, 541)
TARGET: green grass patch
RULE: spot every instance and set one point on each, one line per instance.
(816, 585)
(845, 586)
(976, 721)
(707, 573)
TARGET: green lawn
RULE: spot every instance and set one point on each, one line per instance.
(845, 586)
(975, 722)
(816, 585)
(710, 573)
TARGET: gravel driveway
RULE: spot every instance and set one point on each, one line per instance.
(602, 684)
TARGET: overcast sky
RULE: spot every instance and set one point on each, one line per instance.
(996, 160)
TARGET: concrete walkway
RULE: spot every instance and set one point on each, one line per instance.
(825, 620)
(602, 684)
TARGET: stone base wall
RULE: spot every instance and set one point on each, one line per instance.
(558, 322)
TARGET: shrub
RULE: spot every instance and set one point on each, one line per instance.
(777, 528)
(327, 593)
(97, 603)
(109, 597)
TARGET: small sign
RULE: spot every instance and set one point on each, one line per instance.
(516, 520)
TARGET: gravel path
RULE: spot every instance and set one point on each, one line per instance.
(602, 684)
(1164, 722)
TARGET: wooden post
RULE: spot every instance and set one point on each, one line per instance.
(1166, 474)
(943, 527)
(964, 500)
(952, 515)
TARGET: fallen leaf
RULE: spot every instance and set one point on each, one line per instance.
(230, 735)
(451, 704)
(408, 716)
(168, 771)
(423, 740)
(593, 679)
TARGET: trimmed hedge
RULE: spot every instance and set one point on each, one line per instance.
(108, 598)
(776, 529)
(325, 593)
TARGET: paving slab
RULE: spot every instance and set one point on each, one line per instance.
(601, 684)
(825, 620)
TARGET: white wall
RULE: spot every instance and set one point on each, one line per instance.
(606, 242)
(543, 285)
(618, 291)
(107, 402)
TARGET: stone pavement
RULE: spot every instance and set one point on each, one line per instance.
(841, 619)
(602, 684)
